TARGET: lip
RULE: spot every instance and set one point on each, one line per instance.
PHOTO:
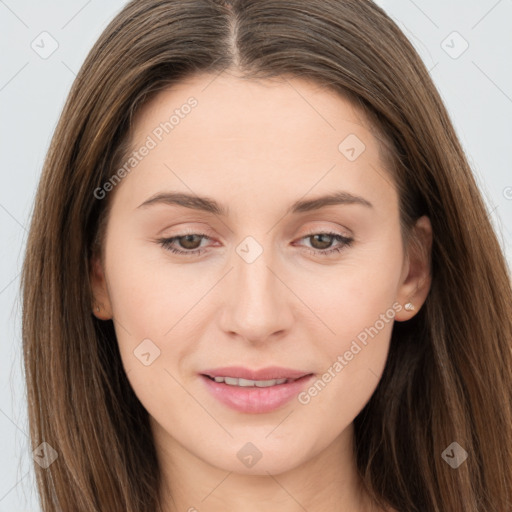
(268, 373)
(256, 400)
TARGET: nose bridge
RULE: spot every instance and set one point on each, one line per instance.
(255, 281)
(256, 307)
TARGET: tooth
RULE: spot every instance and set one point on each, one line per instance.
(233, 381)
(265, 383)
(246, 382)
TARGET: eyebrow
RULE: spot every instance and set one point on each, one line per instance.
(209, 205)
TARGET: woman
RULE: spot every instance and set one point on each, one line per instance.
(298, 301)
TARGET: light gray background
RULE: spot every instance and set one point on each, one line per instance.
(476, 87)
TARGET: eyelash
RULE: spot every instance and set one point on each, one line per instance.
(166, 243)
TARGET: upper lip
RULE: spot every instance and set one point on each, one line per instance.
(269, 373)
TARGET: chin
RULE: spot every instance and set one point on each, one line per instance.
(259, 457)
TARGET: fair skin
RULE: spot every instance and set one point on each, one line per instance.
(256, 147)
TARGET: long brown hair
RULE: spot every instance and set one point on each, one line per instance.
(448, 375)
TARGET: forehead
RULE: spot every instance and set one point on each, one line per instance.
(234, 136)
(231, 107)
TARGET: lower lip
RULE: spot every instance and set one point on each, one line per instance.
(254, 399)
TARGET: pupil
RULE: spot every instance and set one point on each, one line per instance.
(187, 240)
(326, 244)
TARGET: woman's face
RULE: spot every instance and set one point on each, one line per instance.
(240, 171)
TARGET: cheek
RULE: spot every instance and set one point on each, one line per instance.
(147, 292)
(355, 316)
(147, 304)
(152, 328)
(354, 340)
(354, 358)
(357, 292)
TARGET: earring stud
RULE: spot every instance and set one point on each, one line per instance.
(97, 308)
(409, 306)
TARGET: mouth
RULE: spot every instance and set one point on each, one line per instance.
(249, 383)
(259, 392)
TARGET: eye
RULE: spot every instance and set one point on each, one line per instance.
(324, 241)
(190, 243)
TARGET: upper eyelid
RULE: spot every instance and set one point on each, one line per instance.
(205, 236)
(209, 236)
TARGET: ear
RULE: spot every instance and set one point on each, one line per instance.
(416, 276)
(101, 306)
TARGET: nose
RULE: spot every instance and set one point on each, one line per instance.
(257, 305)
